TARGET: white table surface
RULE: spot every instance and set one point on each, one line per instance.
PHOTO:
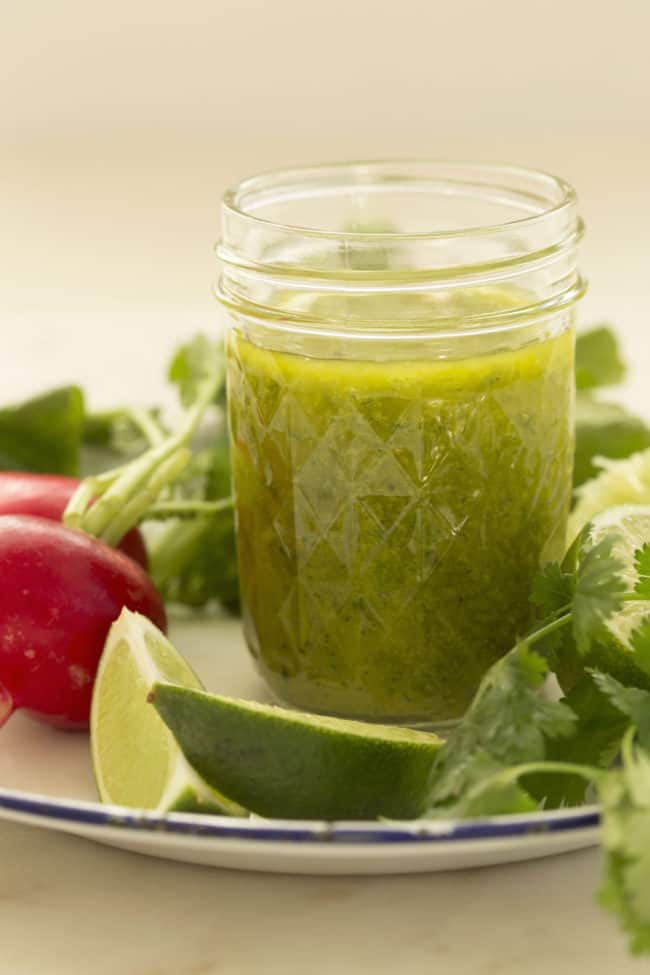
(105, 247)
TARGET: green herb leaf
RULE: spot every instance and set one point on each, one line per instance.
(599, 591)
(594, 740)
(43, 435)
(633, 702)
(490, 788)
(553, 589)
(195, 363)
(508, 723)
(604, 430)
(194, 562)
(598, 359)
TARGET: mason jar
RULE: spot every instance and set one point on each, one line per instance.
(400, 378)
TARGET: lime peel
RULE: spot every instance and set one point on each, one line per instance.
(292, 765)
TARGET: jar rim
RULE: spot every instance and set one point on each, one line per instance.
(346, 265)
(561, 195)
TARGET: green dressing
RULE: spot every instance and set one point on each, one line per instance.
(391, 516)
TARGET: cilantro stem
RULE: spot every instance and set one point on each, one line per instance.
(109, 505)
(588, 772)
(548, 628)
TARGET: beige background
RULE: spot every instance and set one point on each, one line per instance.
(354, 66)
(120, 125)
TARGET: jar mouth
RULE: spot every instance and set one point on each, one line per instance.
(267, 198)
(457, 245)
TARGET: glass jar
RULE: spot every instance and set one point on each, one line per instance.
(400, 369)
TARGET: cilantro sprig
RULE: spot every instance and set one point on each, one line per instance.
(516, 750)
(509, 722)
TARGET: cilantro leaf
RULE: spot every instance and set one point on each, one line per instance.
(625, 799)
(195, 363)
(598, 358)
(604, 430)
(594, 740)
(43, 434)
(552, 589)
(599, 591)
(489, 789)
(633, 702)
(508, 723)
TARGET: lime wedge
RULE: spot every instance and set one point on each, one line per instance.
(289, 764)
(629, 525)
(619, 482)
(135, 759)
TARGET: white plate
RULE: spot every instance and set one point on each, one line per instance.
(46, 780)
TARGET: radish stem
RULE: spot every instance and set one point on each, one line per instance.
(108, 505)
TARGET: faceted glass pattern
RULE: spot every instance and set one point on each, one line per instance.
(391, 517)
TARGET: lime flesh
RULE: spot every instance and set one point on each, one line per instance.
(619, 482)
(136, 761)
(288, 764)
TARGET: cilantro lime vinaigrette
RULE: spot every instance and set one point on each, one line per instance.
(400, 355)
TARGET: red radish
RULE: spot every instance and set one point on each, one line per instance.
(60, 591)
(47, 496)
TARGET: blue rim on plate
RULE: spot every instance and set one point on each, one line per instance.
(37, 806)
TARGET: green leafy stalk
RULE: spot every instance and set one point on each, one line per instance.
(192, 557)
(107, 505)
(127, 500)
(194, 560)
